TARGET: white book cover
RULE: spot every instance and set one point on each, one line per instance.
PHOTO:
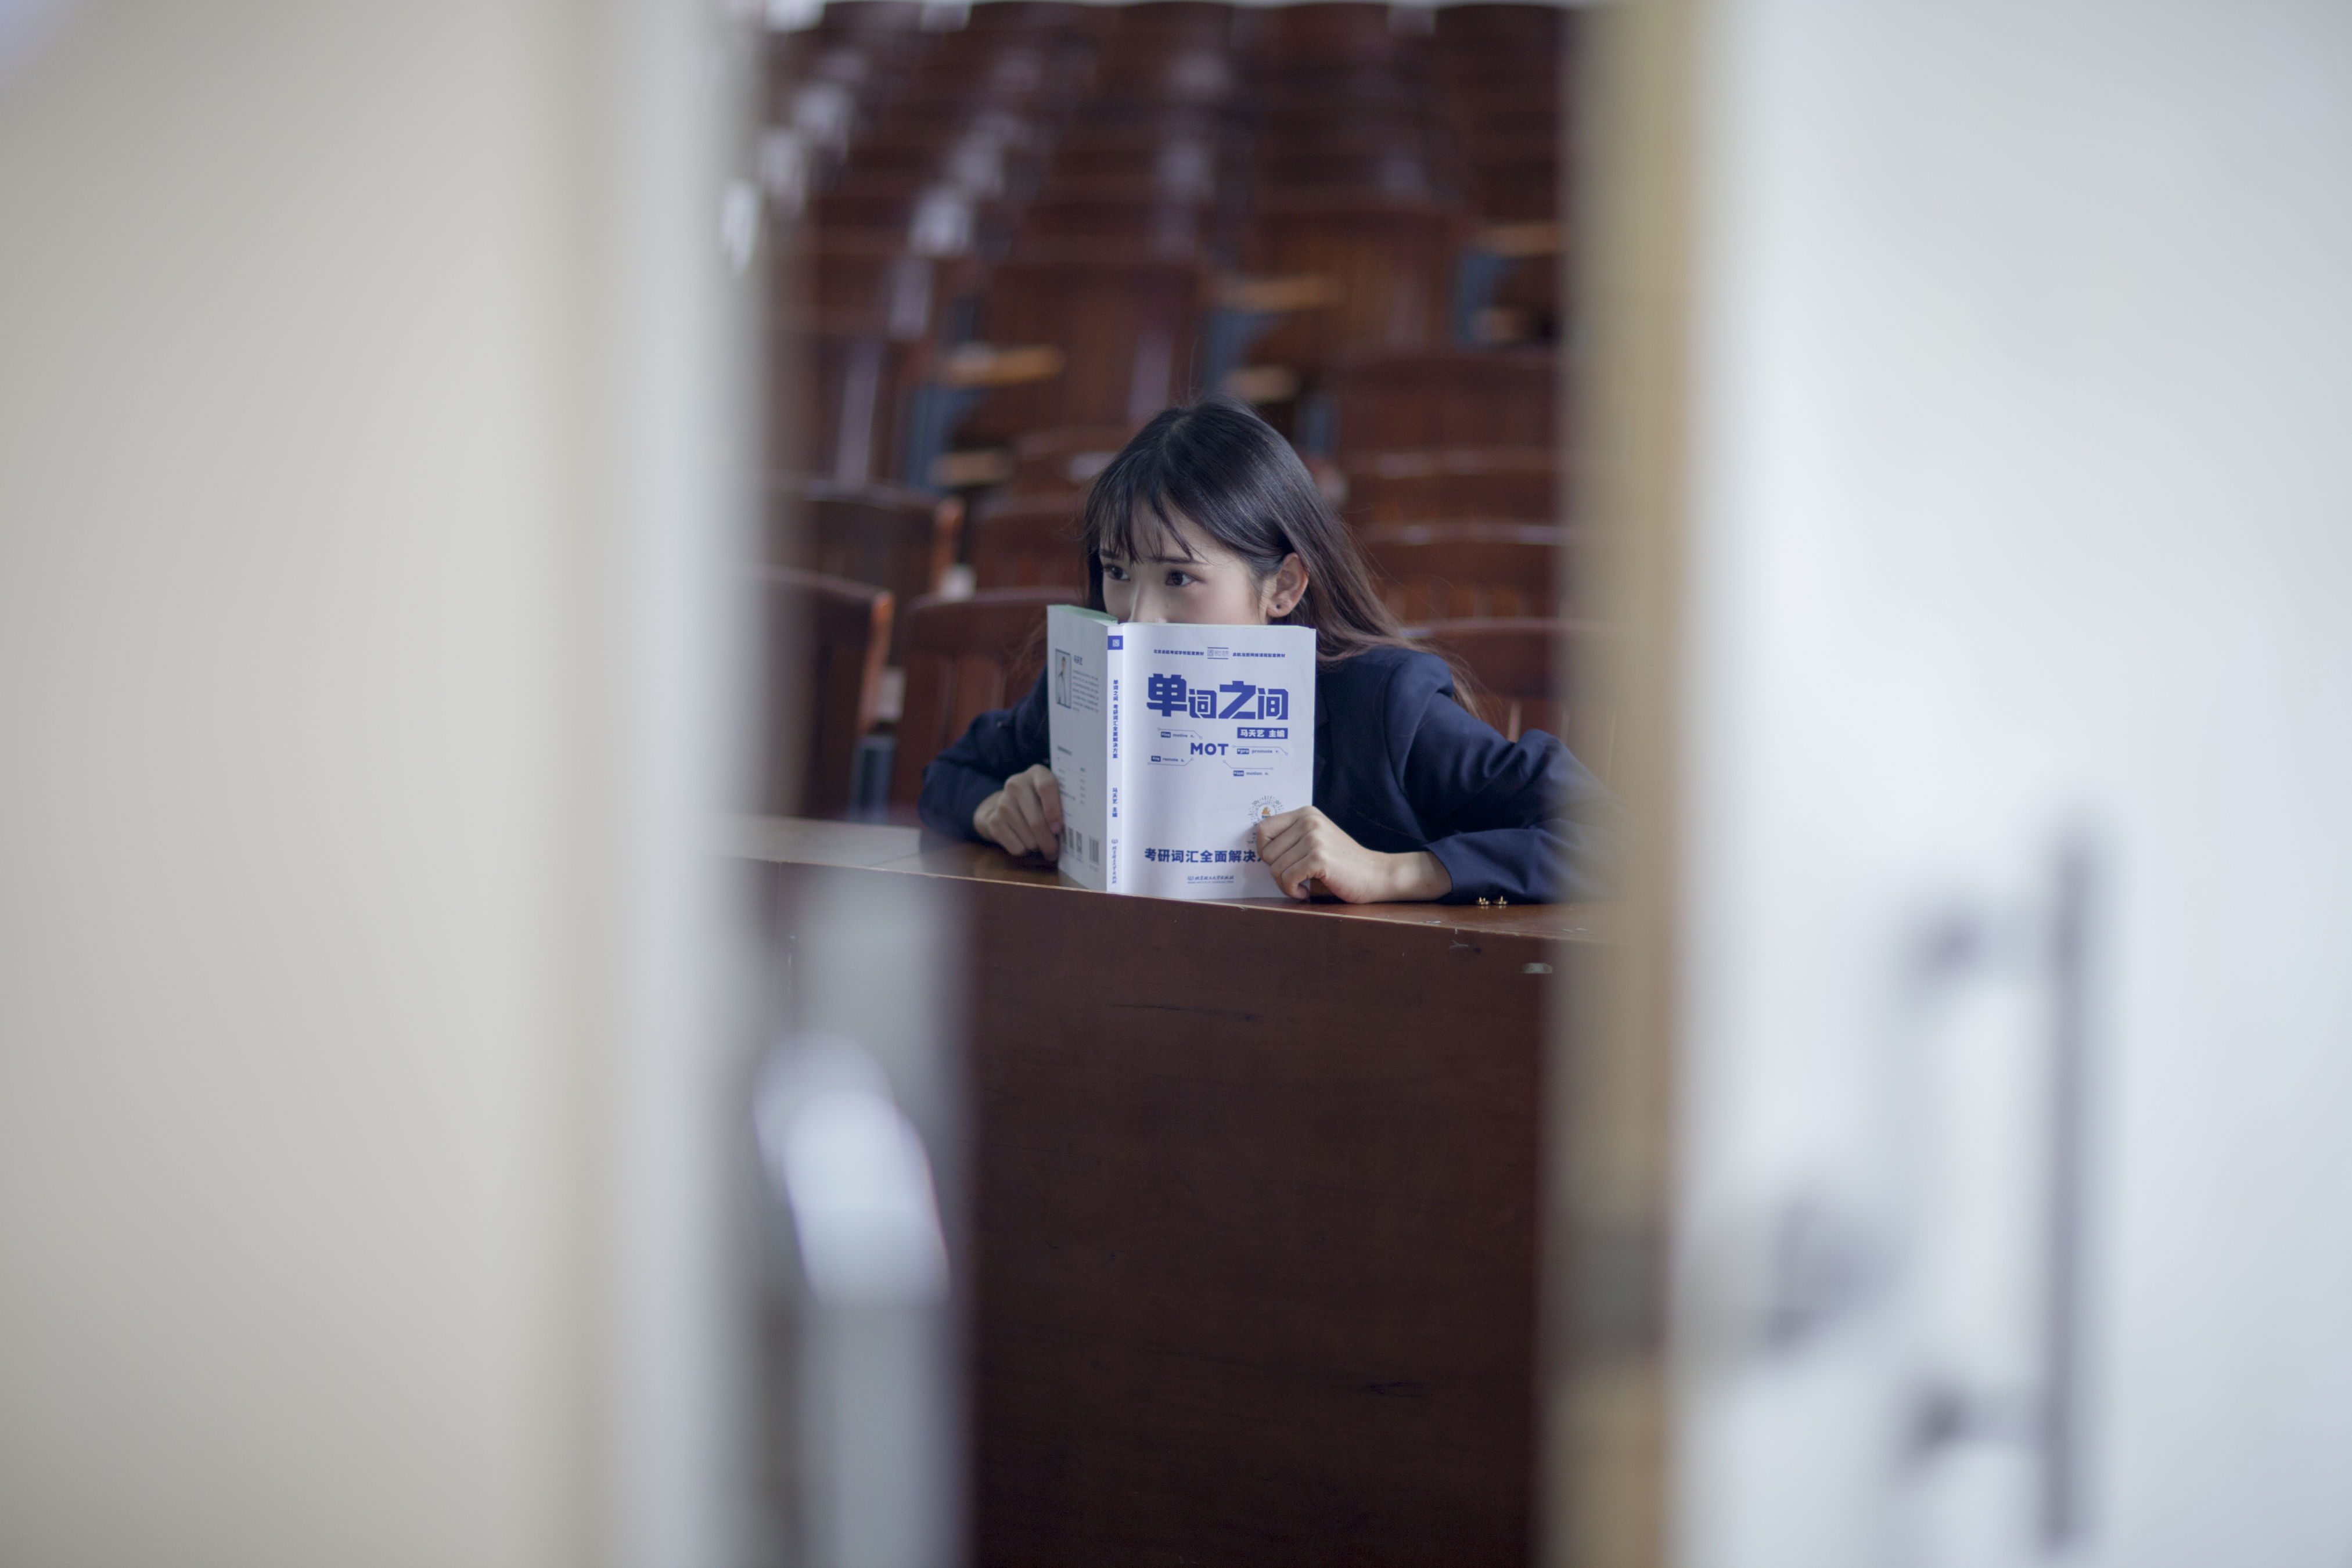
(1171, 744)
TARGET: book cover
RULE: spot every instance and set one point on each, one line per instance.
(1171, 744)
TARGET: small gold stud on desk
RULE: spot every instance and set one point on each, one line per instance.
(1482, 903)
(1500, 901)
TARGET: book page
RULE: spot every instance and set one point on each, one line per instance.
(1219, 726)
(1078, 687)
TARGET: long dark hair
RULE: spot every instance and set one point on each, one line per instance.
(1219, 465)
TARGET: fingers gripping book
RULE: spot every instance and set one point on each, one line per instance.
(1170, 745)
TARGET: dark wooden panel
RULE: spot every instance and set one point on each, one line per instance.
(1252, 1261)
(1256, 1234)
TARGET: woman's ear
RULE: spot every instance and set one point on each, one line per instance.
(1284, 588)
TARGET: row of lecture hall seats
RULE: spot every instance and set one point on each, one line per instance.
(1000, 246)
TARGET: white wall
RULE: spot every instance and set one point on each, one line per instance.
(2023, 358)
(314, 496)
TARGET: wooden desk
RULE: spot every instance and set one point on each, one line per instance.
(1254, 1199)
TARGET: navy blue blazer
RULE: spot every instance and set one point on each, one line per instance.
(1399, 765)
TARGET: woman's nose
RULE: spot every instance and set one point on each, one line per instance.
(1148, 609)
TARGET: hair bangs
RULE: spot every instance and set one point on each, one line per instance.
(1129, 515)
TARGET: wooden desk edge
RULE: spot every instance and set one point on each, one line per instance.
(877, 846)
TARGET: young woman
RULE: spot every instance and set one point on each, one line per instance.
(1208, 517)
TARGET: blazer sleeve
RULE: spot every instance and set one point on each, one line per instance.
(1521, 820)
(998, 745)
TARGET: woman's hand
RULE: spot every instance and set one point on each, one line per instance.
(1305, 845)
(1025, 816)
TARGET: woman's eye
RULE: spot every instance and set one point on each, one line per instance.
(1116, 573)
(1178, 579)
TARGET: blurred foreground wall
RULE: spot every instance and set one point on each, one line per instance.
(2014, 1019)
(316, 868)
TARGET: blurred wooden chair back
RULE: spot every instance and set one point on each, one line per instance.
(1127, 120)
(1387, 107)
(868, 284)
(1343, 36)
(900, 540)
(1469, 570)
(1514, 184)
(1535, 34)
(1064, 461)
(1028, 541)
(1168, 69)
(870, 19)
(972, 158)
(1523, 672)
(1378, 158)
(963, 658)
(1445, 397)
(1137, 220)
(1170, 24)
(1174, 165)
(941, 121)
(1502, 114)
(1491, 484)
(1026, 18)
(1399, 172)
(854, 66)
(1392, 263)
(928, 217)
(837, 402)
(826, 641)
(1125, 328)
(1031, 74)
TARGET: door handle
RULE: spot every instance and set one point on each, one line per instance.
(2067, 1219)
(2054, 941)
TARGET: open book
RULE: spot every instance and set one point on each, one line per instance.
(1170, 745)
